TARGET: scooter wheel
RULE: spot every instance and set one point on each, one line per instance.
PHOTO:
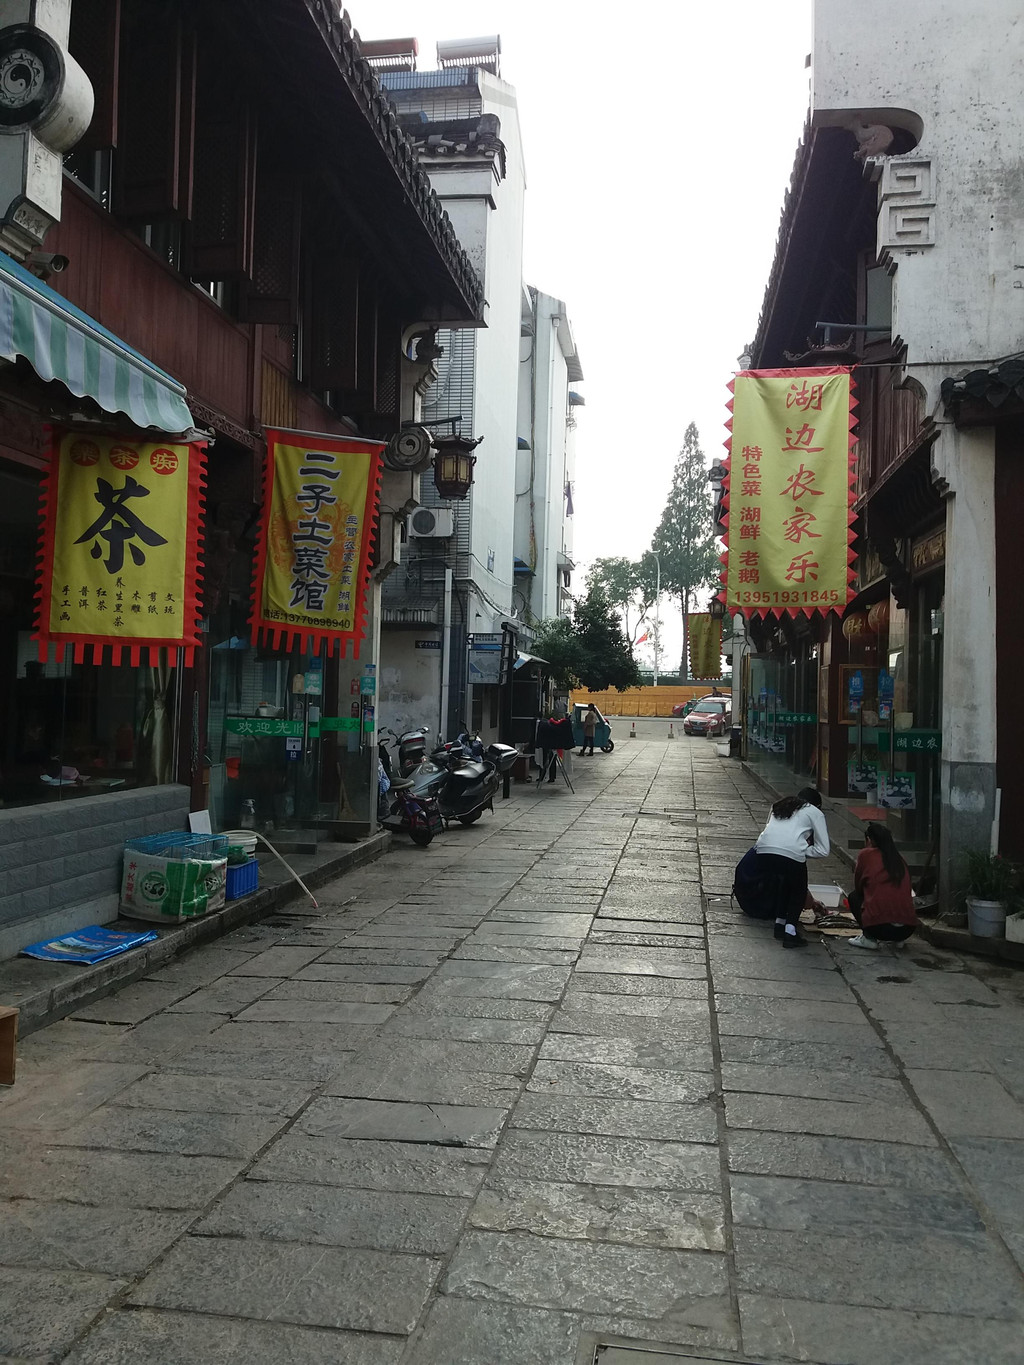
(471, 818)
(422, 837)
(607, 748)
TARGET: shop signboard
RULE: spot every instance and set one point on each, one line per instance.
(705, 633)
(898, 791)
(855, 692)
(313, 555)
(121, 534)
(861, 776)
(789, 492)
(886, 692)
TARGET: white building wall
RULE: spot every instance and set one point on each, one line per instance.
(952, 72)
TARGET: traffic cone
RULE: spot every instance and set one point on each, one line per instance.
(671, 731)
(632, 731)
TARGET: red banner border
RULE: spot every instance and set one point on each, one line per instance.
(274, 634)
(136, 647)
(824, 371)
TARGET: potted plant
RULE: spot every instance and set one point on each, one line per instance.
(993, 891)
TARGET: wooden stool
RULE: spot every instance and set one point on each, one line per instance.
(8, 1043)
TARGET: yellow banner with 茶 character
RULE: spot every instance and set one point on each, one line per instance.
(121, 534)
(789, 492)
(313, 559)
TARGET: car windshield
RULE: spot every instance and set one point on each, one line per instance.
(714, 707)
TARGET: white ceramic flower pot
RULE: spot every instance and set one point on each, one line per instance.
(1015, 928)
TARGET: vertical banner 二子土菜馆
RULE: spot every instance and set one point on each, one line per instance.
(789, 492)
(313, 559)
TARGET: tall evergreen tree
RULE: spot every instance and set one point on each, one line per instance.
(685, 538)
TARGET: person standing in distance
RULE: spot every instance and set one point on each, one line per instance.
(795, 832)
(589, 728)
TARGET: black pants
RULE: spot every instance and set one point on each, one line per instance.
(548, 764)
(884, 933)
(787, 881)
(587, 739)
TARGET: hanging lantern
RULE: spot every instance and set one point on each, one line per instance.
(453, 465)
(856, 626)
(878, 617)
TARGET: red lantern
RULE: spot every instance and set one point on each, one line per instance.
(878, 617)
(855, 625)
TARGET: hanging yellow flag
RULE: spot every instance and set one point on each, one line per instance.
(121, 536)
(313, 559)
(705, 646)
(789, 492)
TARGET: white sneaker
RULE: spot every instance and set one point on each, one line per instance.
(862, 942)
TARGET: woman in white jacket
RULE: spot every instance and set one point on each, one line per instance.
(795, 832)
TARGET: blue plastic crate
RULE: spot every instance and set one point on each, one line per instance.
(242, 880)
(178, 844)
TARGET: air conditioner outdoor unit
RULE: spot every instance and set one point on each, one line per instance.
(435, 522)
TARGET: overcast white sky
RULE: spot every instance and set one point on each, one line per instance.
(659, 138)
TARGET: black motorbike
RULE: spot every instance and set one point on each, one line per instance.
(399, 808)
(462, 784)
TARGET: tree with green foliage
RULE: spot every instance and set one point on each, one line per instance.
(628, 585)
(591, 649)
(685, 538)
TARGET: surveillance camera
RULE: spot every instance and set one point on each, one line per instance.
(43, 263)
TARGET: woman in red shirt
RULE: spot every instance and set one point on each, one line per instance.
(881, 900)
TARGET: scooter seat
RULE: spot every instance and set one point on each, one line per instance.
(400, 783)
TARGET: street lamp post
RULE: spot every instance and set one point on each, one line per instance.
(657, 613)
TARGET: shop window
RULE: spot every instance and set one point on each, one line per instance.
(91, 170)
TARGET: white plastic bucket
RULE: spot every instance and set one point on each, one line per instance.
(986, 919)
(244, 839)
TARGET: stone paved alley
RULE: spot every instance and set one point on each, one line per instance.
(533, 1089)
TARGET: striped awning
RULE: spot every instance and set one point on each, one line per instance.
(61, 342)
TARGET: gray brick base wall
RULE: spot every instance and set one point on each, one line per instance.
(60, 863)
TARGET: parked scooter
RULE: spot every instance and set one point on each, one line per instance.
(464, 785)
(411, 746)
(399, 808)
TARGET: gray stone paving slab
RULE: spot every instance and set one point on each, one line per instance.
(417, 1168)
(284, 1282)
(836, 1334)
(618, 905)
(817, 986)
(600, 1159)
(401, 1079)
(694, 1122)
(620, 1082)
(202, 965)
(747, 1007)
(228, 995)
(165, 1130)
(950, 1274)
(642, 961)
(340, 990)
(608, 938)
(293, 1064)
(455, 1054)
(435, 999)
(163, 1035)
(152, 1337)
(134, 1003)
(805, 1083)
(315, 1012)
(671, 1009)
(811, 1156)
(687, 988)
(788, 1205)
(792, 1026)
(601, 1213)
(886, 1122)
(470, 1030)
(50, 1103)
(995, 1168)
(337, 1216)
(465, 1125)
(122, 1179)
(386, 974)
(667, 1054)
(965, 1104)
(214, 1094)
(485, 936)
(641, 1028)
(862, 1057)
(476, 951)
(277, 962)
(589, 1277)
(318, 1038)
(41, 1311)
(470, 1331)
(56, 1235)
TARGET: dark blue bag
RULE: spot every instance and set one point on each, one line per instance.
(751, 889)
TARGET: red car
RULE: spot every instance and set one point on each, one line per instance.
(711, 716)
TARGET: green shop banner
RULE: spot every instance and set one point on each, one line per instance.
(255, 727)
